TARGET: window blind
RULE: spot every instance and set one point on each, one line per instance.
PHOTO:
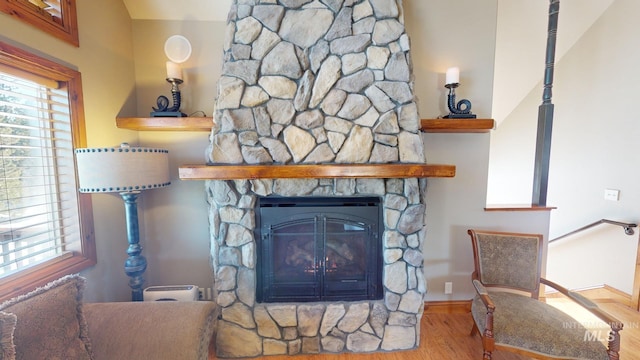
(53, 7)
(39, 218)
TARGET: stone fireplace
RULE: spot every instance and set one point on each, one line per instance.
(317, 82)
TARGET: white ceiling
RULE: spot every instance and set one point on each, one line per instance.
(195, 10)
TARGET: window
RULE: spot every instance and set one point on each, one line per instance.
(46, 225)
(54, 17)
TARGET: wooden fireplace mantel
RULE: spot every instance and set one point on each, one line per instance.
(315, 171)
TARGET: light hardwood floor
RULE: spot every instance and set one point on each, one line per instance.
(445, 335)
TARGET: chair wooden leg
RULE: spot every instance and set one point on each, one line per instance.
(474, 330)
(614, 345)
(488, 345)
(488, 342)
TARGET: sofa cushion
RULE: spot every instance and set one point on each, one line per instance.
(7, 326)
(50, 323)
(151, 329)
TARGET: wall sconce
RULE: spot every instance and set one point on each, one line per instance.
(461, 110)
(178, 49)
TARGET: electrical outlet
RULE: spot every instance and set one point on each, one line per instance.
(205, 294)
(611, 194)
(448, 288)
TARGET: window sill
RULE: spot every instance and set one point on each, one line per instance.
(30, 279)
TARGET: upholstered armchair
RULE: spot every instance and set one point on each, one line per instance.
(508, 314)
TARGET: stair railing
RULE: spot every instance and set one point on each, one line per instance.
(628, 228)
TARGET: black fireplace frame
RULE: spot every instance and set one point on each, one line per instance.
(364, 213)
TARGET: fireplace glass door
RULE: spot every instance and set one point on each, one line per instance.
(315, 249)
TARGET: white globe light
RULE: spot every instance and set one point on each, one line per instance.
(177, 48)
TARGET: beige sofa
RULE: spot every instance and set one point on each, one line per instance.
(53, 323)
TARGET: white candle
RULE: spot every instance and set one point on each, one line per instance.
(174, 71)
(453, 75)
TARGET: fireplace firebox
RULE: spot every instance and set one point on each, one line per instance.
(319, 249)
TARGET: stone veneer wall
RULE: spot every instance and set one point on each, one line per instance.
(316, 81)
(248, 329)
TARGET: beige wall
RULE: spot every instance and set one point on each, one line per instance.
(444, 34)
(596, 137)
(177, 240)
(105, 59)
(122, 63)
(595, 130)
(595, 144)
(452, 33)
(177, 228)
(517, 90)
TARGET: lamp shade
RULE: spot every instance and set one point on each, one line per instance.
(122, 169)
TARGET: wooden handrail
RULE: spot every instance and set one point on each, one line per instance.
(628, 228)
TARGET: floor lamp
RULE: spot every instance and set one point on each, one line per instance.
(129, 171)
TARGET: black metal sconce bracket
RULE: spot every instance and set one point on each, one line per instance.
(460, 110)
(163, 109)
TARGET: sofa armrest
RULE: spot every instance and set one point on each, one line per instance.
(151, 330)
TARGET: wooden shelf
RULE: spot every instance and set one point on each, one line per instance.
(314, 171)
(205, 124)
(457, 125)
(165, 123)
